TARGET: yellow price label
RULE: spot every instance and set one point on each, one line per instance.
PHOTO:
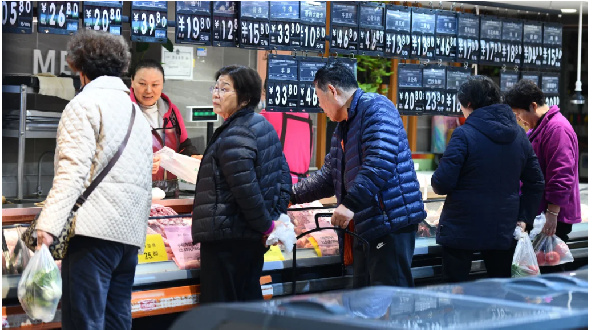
(154, 251)
(274, 254)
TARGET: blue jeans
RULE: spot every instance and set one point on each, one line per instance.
(97, 277)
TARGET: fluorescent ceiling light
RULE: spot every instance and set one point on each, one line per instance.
(568, 11)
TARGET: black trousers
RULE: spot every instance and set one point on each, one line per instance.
(230, 271)
(456, 263)
(389, 261)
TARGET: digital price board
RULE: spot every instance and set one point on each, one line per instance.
(468, 38)
(508, 80)
(371, 29)
(193, 22)
(434, 88)
(533, 76)
(282, 83)
(446, 28)
(103, 16)
(58, 17)
(532, 44)
(423, 33)
(397, 32)
(550, 87)
(454, 78)
(512, 42)
(149, 21)
(254, 24)
(490, 40)
(344, 28)
(552, 53)
(225, 23)
(411, 98)
(312, 25)
(307, 98)
(17, 17)
(285, 25)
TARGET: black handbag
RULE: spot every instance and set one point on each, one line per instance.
(58, 248)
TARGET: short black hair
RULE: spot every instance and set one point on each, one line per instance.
(148, 64)
(98, 54)
(338, 74)
(478, 91)
(523, 93)
(246, 81)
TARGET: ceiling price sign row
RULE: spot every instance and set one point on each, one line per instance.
(193, 22)
(423, 33)
(343, 28)
(58, 17)
(446, 28)
(149, 21)
(17, 17)
(552, 53)
(285, 25)
(397, 32)
(550, 85)
(454, 78)
(254, 24)
(468, 38)
(103, 16)
(313, 16)
(225, 23)
(371, 40)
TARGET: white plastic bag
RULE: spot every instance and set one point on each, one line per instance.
(551, 250)
(40, 286)
(284, 233)
(524, 261)
(184, 167)
(538, 224)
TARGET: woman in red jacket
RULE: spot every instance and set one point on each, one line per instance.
(168, 128)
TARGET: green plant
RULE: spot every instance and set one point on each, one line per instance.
(371, 73)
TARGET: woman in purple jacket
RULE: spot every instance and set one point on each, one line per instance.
(555, 144)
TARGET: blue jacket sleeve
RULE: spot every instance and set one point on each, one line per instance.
(380, 147)
(316, 186)
(445, 178)
(286, 186)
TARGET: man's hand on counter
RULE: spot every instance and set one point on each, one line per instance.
(341, 216)
(43, 238)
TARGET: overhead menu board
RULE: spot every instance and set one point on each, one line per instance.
(434, 88)
(313, 15)
(550, 87)
(490, 40)
(532, 44)
(512, 42)
(411, 99)
(225, 23)
(285, 25)
(103, 16)
(552, 53)
(149, 21)
(533, 76)
(193, 19)
(17, 17)
(397, 32)
(344, 28)
(371, 40)
(282, 83)
(468, 38)
(254, 24)
(446, 28)
(423, 33)
(454, 78)
(508, 80)
(58, 17)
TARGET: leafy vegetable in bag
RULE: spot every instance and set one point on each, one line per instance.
(40, 286)
(524, 261)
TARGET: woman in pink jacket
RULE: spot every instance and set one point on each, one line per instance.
(555, 144)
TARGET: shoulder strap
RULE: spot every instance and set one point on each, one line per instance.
(108, 167)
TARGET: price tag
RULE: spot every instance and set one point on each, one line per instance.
(17, 17)
(307, 99)
(154, 251)
(58, 17)
(180, 240)
(491, 41)
(194, 23)
(508, 80)
(225, 23)
(532, 45)
(434, 84)
(512, 42)
(533, 76)
(274, 254)
(254, 24)
(285, 35)
(423, 33)
(312, 25)
(446, 36)
(344, 28)
(149, 21)
(468, 38)
(454, 78)
(552, 54)
(371, 30)
(411, 98)
(397, 32)
(103, 16)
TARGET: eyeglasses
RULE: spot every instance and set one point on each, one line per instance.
(220, 91)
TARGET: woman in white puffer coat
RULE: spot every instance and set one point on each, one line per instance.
(99, 267)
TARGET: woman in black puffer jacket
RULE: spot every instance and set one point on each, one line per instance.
(243, 186)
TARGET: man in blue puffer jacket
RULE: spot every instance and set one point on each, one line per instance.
(370, 170)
